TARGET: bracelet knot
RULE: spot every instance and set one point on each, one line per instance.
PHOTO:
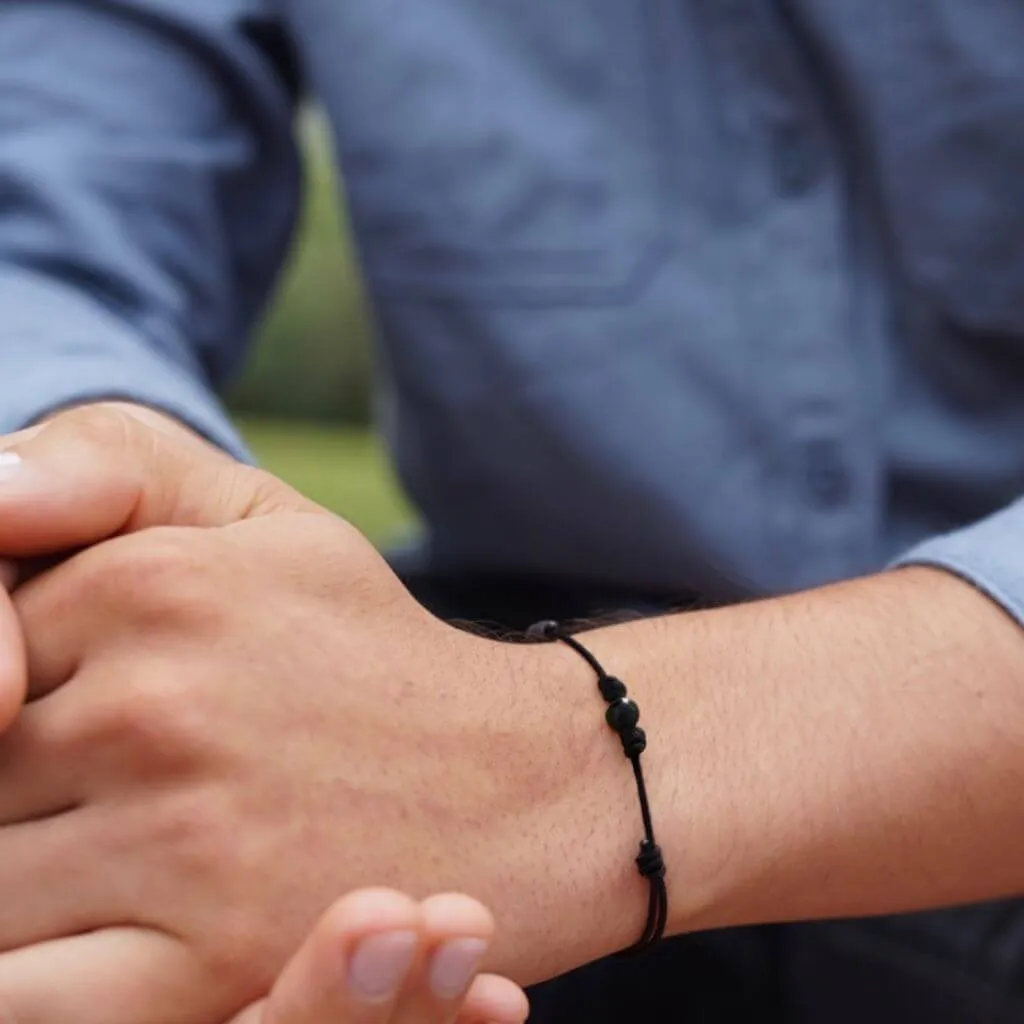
(649, 860)
(634, 743)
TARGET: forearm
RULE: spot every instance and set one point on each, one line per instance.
(852, 750)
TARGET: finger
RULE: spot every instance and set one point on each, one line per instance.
(13, 672)
(37, 779)
(57, 623)
(57, 879)
(457, 931)
(251, 1014)
(166, 580)
(114, 976)
(491, 1000)
(494, 1000)
(108, 593)
(354, 964)
(68, 608)
(8, 574)
(13, 675)
(92, 473)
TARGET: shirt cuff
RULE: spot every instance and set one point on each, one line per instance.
(58, 349)
(988, 554)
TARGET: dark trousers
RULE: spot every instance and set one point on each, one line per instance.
(963, 966)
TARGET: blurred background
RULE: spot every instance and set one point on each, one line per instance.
(304, 402)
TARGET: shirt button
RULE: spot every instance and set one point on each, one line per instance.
(796, 156)
(828, 481)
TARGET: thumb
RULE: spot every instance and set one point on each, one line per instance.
(13, 671)
(94, 472)
(256, 1014)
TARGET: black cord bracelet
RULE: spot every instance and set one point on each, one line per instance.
(622, 716)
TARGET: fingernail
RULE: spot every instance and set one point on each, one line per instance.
(9, 464)
(380, 964)
(454, 965)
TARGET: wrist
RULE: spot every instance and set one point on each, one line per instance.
(574, 846)
(684, 672)
(805, 753)
(669, 665)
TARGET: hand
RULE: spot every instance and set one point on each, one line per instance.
(243, 714)
(378, 957)
(13, 679)
(13, 676)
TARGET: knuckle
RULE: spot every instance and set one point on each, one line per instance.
(101, 425)
(158, 577)
(248, 493)
(150, 720)
(190, 831)
(197, 836)
(268, 493)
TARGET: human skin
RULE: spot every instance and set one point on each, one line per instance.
(238, 704)
(350, 969)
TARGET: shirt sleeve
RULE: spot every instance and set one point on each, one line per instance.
(989, 554)
(148, 190)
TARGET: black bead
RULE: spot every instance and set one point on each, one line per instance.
(622, 716)
(547, 629)
(612, 689)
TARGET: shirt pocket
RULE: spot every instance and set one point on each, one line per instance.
(507, 150)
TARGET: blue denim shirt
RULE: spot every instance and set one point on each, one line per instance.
(725, 296)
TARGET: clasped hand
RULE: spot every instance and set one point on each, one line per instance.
(235, 713)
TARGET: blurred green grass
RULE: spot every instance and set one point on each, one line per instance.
(303, 403)
(342, 468)
(312, 357)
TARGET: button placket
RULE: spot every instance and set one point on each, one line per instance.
(826, 473)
